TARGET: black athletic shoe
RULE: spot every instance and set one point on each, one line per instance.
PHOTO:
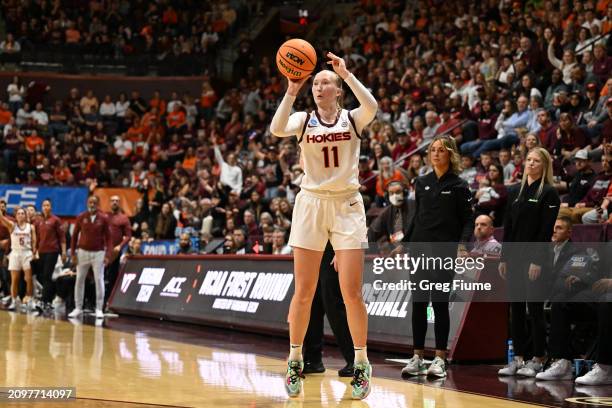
(347, 371)
(313, 367)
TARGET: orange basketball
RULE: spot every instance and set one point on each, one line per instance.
(296, 58)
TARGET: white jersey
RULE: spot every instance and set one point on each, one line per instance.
(331, 154)
(21, 238)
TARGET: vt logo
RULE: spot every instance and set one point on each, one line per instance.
(127, 280)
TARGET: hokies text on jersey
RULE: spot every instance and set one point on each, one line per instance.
(328, 137)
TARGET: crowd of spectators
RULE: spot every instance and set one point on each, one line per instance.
(171, 33)
(501, 77)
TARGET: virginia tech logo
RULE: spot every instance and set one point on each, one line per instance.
(127, 280)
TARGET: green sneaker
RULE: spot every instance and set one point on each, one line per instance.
(293, 378)
(361, 380)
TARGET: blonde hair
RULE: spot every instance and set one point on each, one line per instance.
(547, 171)
(451, 146)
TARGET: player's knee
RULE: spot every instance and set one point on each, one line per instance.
(352, 296)
(304, 296)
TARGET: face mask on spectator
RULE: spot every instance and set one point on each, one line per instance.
(396, 199)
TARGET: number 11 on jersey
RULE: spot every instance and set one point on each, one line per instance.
(334, 150)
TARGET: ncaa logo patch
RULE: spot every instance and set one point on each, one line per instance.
(313, 122)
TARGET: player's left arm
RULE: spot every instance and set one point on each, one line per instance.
(368, 106)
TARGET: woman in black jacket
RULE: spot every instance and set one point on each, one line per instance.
(443, 218)
(530, 217)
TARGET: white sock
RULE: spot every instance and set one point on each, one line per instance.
(361, 354)
(295, 352)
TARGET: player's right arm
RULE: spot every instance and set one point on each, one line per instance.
(284, 123)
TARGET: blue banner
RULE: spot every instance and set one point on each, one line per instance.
(66, 201)
(166, 247)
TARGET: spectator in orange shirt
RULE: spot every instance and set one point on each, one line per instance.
(5, 115)
(219, 25)
(176, 120)
(158, 103)
(135, 131)
(208, 98)
(189, 162)
(170, 17)
(73, 36)
(62, 173)
(32, 141)
(149, 119)
(606, 23)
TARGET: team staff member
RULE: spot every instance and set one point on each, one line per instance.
(120, 234)
(92, 238)
(328, 207)
(328, 301)
(573, 274)
(5, 245)
(51, 243)
(443, 214)
(530, 217)
(601, 374)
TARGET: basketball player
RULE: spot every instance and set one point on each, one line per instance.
(328, 207)
(23, 239)
(92, 238)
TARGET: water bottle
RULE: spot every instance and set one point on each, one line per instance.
(578, 366)
(510, 351)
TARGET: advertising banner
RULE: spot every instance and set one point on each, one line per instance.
(67, 201)
(160, 247)
(253, 292)
(166, 246)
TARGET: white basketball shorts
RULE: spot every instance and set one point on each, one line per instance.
(318, 217)
(20, 260)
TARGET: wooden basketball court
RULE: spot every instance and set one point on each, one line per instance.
(112, 368)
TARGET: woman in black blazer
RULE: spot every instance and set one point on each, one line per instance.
(443, 218)
(530, 217)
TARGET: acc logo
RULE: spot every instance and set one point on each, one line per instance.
(313, 122)
(295, 58)
(344, 123)
(127, 280)
(173, 288)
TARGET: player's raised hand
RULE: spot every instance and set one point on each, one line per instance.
(294, 85)
(338, 65)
